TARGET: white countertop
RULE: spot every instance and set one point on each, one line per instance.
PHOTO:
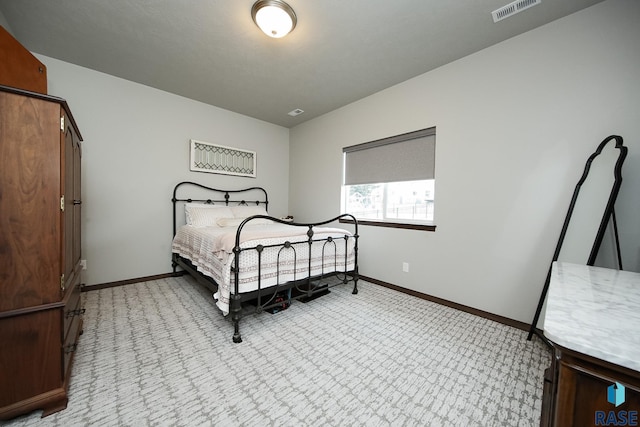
(595, 311)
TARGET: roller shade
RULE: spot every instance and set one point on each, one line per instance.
(406, 157)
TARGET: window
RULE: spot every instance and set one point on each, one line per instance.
(390, 182)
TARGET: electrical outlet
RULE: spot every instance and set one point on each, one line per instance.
(83, 264)
(405, 267)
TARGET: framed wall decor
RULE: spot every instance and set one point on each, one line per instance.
(214, 158)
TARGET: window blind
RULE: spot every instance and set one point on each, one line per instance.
(406, 157)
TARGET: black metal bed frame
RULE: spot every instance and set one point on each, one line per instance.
(266, 298)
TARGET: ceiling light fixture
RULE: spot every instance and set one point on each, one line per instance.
(274, 17)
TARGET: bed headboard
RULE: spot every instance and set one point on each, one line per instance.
(192, 192)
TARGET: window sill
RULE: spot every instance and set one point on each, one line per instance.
(406, 226)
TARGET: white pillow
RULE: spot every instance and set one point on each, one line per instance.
(247, 211)
(201, 215)
(234, 222)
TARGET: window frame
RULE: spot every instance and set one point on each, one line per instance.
(425, 225)
(404, 225)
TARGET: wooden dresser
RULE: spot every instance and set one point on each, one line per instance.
(40, 206)
(593, 321)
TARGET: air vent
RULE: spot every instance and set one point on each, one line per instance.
(295, 112)
(513, 8)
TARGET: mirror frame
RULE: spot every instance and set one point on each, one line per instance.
(608, 215)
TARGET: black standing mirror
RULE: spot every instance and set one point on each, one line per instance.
(590, 212)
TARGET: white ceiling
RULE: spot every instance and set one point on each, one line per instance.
(211, 51)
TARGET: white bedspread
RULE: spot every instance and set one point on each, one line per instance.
(210, 249)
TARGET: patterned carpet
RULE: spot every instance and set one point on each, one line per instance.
(158, 353)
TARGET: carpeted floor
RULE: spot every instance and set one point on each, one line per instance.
(160, 354)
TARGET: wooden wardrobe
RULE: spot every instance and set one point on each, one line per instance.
(40, 205)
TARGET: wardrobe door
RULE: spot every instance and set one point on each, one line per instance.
(30, 226)
(71, 194)
(77, 201)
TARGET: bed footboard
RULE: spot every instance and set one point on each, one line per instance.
(304, 287)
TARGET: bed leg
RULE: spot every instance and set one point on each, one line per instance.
(174, 264)
(355, 284)
(235, 310)
(236, 335)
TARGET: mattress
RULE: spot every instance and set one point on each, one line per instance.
(210, 250)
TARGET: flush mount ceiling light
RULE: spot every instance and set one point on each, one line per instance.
(274, 17)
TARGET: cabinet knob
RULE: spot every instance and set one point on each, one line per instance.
(77, 202)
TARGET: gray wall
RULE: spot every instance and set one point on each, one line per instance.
(515, 125)
(4, 23)
(136, 148)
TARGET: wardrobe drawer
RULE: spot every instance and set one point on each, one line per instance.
(29, 356)
(72, 310)
(71, 342)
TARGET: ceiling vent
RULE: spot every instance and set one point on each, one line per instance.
(513, 8)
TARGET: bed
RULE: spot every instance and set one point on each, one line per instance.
(253, 262)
